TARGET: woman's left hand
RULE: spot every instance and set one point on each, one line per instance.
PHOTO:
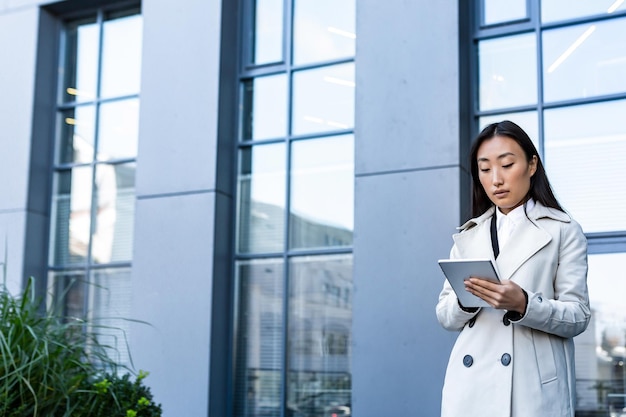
(506, 296)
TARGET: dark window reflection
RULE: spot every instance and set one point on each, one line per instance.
(320, 321)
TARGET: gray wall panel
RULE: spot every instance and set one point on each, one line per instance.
(408, 183)
(179, 96)
(172, 290)
(16, 103)
(16, 109)
(178, 272)
(407, 85)
(400, 351)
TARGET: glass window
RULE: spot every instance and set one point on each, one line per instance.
(265, 107)
(585, 149)
(498, 11)
(118, 129)
(507, 72)
(268, 31)
(110, 301)
(320, 323)
(70, 289)
(79, 79)
(323, 99)
(77, 135)
(71, 216)
(322, 192)
(114, 213)
(262, 187)
(295, 198)
(584, 60)
(121, 55)
(259, 358)
(323, 30)
(601, 349)
(93, 201)
(553, 10)
(527, 120)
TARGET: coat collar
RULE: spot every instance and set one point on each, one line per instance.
(474, 241)
(539, 211)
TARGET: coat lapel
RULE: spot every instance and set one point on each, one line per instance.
(526, 240)
(475, 242)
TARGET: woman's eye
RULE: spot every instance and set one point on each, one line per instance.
(508, 165)
(484, 169)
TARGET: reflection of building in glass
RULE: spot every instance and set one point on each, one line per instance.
(600, 372)
(264, 226)
(319, 324)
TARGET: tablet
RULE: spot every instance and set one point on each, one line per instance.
(458, 270)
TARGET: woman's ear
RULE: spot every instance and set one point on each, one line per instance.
(532, 165)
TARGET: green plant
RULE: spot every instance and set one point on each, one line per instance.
(118, 396)
(51, 367)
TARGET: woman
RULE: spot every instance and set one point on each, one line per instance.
(515, 358)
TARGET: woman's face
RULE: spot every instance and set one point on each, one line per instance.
(504, 172)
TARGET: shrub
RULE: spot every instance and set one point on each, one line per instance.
(51, 367)
(115, 396)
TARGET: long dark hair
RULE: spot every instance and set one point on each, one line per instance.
(540, 189)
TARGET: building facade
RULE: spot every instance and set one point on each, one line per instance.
(269, 183)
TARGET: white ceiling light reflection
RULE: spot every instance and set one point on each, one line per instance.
(321, 121)
(572, 48)
(339, 81)
(344, 33)
(614, 6)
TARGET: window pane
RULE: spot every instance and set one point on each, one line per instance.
(526, 120)
(601, 349)
(320, 322)
(498, 11)
(585, 149)
(69, 293)
(552, 10)
(71, 216)
(76, 135)
(259, 359)
(115, 212)
(79, 74)
(262, 188)
(121, 56)
(118, 129)
(585, 60)
(322, 192)
(265, 107)
(508, 72)
(323, 30)
(323, 99)
(268, 31)
(110, 300)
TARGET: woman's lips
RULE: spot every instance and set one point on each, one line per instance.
(500, 193)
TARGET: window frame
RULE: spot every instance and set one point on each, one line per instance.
(66, 13)
(247, 71)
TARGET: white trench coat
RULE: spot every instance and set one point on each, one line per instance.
(523, 368)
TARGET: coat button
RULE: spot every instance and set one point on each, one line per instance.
(506, 359)
(539, 299)
(471, 322)
(506, 320)
(468, 360)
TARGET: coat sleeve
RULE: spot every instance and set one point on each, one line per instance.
(449, 313)
(568, 314)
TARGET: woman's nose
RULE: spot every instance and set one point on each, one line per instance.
(496, 177)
